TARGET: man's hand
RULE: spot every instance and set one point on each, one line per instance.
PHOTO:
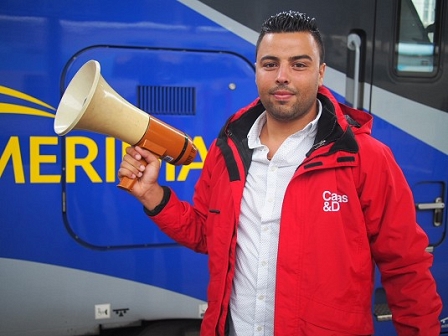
(146, 189)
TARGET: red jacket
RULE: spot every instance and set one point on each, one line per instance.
(347, 207)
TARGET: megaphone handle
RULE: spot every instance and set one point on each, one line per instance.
(127, 183)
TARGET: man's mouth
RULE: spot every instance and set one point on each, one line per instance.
(282, 94)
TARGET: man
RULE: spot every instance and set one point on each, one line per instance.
(295, 204)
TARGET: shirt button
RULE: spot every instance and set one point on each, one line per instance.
(261, 297)
(259, 328)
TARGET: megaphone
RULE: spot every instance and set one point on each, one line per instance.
(90, 104)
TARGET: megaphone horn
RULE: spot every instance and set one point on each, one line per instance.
(90, 104)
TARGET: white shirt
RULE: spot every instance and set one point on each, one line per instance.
(253, 292)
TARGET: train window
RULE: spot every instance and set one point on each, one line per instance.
(416, 49)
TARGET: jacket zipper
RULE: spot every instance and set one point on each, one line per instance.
(317, 145)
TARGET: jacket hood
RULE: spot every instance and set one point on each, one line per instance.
(361, 120)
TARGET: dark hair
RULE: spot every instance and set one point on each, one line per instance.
(292, 22)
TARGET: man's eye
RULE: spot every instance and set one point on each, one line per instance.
(269, 65)
(299, 65)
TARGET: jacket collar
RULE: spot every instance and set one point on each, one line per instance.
(334, 131)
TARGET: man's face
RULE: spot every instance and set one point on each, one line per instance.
(288, 74)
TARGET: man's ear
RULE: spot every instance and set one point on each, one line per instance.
(255, 77)
(322, 69)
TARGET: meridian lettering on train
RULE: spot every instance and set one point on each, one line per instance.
(12, 153)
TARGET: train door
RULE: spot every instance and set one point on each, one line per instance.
(408, 100)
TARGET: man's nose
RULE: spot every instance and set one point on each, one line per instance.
(283, 74)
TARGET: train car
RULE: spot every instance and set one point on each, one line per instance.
(77, 255)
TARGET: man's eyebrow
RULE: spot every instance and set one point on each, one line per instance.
(269, 57)
(300, 57)
(291, 59)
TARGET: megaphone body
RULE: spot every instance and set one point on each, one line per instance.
(90, 104)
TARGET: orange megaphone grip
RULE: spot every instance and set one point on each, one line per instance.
(127, 183)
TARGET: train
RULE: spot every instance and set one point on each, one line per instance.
(78, 256)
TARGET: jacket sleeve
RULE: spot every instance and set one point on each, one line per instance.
(398, 243)
(184, 222)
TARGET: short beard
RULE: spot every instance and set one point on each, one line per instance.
(285, 114)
